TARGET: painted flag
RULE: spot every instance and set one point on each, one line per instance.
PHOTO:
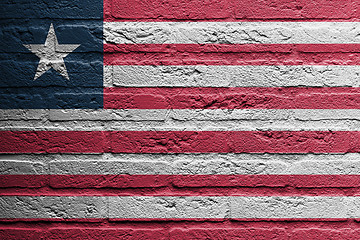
(203, 119)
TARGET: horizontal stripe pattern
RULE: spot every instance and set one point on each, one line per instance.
(272, 135)
(63, 207)
(152, 109)
(231, 76)
(123, 171)
(180, 119)
(231, 32)
(221, 43)
(161, 172)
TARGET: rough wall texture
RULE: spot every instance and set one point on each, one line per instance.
(182, 119)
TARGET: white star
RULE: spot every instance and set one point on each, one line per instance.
(51, 54)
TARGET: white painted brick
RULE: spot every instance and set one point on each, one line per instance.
(168, 207)
(292, 207)
(22, 167)
(326, 114)
(334, 167)
(108, 114)
(230, 114)
(230, 167)
(52, 207)
(80, 114)
(110, 167)
(22, 114)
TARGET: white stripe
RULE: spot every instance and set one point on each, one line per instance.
(207, 167)
(180, 164)
(185, 119)
(231, 76)
(231, 32)
(179, 207)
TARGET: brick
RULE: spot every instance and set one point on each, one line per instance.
(76, 9)
(52, 207)
(55, 141)
(321, 233)
(104, 233)
(22, 114)
(168, 207)
(127, 167)
(108, 115)
(109, 181)
(228, 233)
(291, 10)
(17, 233)
(22, 167)
(292, 207)
(185, 9)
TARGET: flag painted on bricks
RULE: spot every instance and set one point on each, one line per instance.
(179, 119)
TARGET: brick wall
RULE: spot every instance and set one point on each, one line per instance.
(231, 119)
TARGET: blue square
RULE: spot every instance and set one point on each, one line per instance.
(76, 22)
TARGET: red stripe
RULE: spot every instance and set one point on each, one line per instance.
(225, 229)
(225, 10)
(94, 220)
(232, 98)
(236, 219)
(133, 233)
(80, 232)
(180, 141)
(180, 185)
(232, 54)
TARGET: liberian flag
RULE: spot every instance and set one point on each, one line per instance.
(179, 119)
